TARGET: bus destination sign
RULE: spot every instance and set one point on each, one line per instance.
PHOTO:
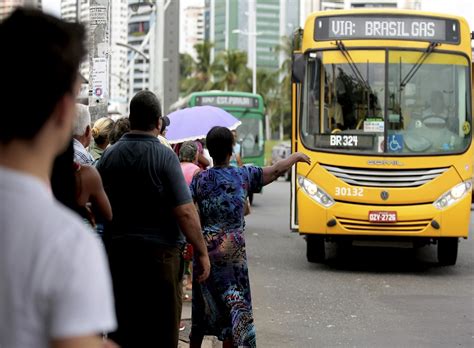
(387, 27)
(227, 100)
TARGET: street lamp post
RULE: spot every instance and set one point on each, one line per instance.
(252, 36)
(156, 59)
(130, 47)
(131, 65)
(252, 54)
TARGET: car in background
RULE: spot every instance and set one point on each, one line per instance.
(282, 151)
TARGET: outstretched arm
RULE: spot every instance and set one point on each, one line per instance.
(273, 172)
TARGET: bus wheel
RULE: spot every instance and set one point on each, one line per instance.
(315, 249)
(447, 251)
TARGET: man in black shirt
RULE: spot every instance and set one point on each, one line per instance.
(152, 205)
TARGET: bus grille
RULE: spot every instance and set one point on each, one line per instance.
(385, 177)
(366, 226)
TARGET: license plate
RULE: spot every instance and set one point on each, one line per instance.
(382, 216)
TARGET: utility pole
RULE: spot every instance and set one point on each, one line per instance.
(252, 43)
(283, 27)
(99, 47)
(164, 53)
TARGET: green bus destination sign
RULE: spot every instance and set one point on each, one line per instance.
(227, 100)
(386, 27)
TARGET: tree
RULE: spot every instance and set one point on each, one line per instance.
(284, 106)
(268, 88)
(186, 69)
(231, 71)
(201, 79)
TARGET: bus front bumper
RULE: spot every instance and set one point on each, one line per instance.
(346, 219)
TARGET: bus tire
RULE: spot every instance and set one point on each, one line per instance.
(448, 251)
(315, 249)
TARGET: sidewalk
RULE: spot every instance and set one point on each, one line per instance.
(209, 342)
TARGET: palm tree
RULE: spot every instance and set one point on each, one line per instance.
(186, 69)
(268, 88)
(203, 72)
(231, 71)
(284, 106)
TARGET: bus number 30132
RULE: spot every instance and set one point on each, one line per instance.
(350, 191)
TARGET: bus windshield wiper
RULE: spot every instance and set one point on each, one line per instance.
(352, 65)
(418, 64)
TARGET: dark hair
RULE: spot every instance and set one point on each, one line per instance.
(120, 127)
(145, 111)
(165, 123)
(40, 61)
(63, 178)
(219, 142)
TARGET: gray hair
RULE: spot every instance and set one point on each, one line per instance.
(187, 152)
(83, 119)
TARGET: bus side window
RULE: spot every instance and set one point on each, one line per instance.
(314, 91)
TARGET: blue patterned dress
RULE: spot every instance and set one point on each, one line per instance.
(222, 305)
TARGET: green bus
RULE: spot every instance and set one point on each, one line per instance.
(247, 107)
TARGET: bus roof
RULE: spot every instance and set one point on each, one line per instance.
(248, 100)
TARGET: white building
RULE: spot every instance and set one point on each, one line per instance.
(118, 56)
(355, 4)
(69, 11)
(78, 10)
(7, 6)
(192, 26)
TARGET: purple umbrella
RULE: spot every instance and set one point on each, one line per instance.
(194, 123)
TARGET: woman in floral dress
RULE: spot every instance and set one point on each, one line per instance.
(222, 304)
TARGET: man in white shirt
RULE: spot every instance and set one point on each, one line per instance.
(55, 288)
(82, 135)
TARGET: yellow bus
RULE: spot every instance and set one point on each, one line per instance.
(382, 105)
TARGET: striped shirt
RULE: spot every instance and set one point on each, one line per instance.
(81, 155)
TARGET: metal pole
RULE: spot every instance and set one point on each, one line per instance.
(226, 32)
(156, 78)
(211, 28)
(130, 78)
(130, 47)
(99, 47)
(252, 35)
(283, 26)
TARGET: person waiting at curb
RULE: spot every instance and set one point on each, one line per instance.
(55, 288)
(82, 135)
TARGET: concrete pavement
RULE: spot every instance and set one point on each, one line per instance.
(209, 342)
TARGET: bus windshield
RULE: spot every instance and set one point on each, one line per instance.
(379, 101)
(250, 134)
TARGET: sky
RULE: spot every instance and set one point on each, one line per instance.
(52, 6)
(464, 8)
(457, 7)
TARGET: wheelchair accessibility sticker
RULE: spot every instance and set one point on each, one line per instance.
(395, 143)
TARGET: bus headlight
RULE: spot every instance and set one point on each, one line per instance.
(453, 195)
(315, 192)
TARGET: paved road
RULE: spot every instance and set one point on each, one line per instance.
(371, 297)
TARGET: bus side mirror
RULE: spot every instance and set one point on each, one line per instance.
(298, 68)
